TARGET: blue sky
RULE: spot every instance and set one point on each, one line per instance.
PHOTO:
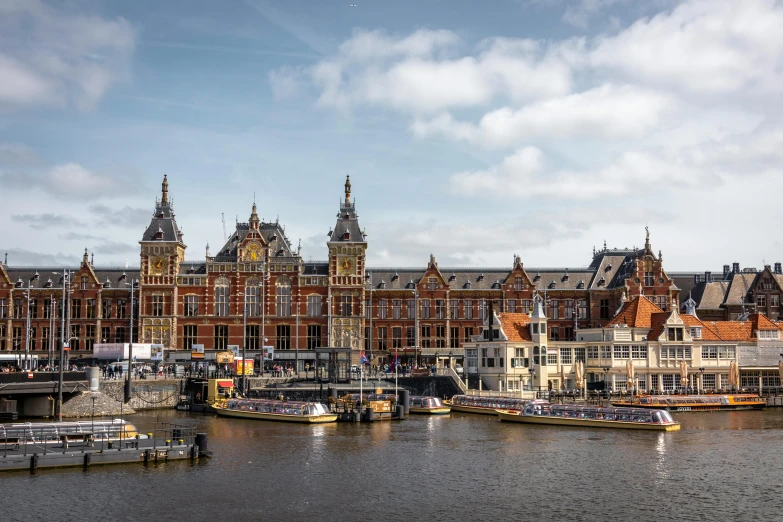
(471, 130)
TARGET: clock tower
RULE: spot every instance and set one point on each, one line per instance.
(162, 251)
(347, 253)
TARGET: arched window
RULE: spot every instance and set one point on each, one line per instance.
(221, 296)
(284, 297)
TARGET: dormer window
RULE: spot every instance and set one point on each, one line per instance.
(565, 277)
(410, 284)
(480, 278)
(696, 332)
(159, 233)
(107, 284)
(382, 284)
(467, 284)
(769, 334)
(608, 268)
(675, 333)
(346, 236)
(19, 283)
(432, 283)
(48, 284)
(537, 277)
(580, 284)
(552, 284)
(452, 277)
(496, 284)
(601, 282)
(395, 277)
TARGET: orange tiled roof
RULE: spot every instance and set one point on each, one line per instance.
(636, 313)
(708, 332)
(743, 330)
(515, 326)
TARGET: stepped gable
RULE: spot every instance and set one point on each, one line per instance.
(515, 326)
(636, 313)
(163, 225)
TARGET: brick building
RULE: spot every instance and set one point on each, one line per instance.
(258, 290)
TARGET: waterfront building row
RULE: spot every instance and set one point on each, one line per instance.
(257, 290)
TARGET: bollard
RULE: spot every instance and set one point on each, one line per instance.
(87, 459)
(33, 463)
(201, 442)
(168, 443)
(369, 414)
(333, 395)
(193, 451)
(405, 400)
(400, 412)
(146, 457)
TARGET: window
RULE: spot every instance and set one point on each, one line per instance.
(252, 300)
(761, 301)
(191, 306)
(604, 309)
(46, 337)
(649, 279)
(121, 309)
(106, 309)
(622, 351)
(383, 311)
(519, 360)
(105, 334)
(283, 341)
(157, 305)
(383, 338)
(527, 304)
(221, 337)
(483, 309)
(284, 299)
(411, 309)
(554, 308)
(397, 337)
(425, 309)
(606, 352)
(252, 336)
(592, 352)
(314, 306)
(367, 308)
(440, 308)
(554, 332)
(517, 284)
(668, 381)
(440, 336)
(2, 337)
(579, 353)
(551, 359)
(33, 305)
(432, 283)
(76, 333)
(468, 333)
(582, 309)
(221, 297)
(662, 302)
(639, 351)
(32, 339)
(565, 355)
(91, 309)
(424, 336)
(568, 333)
(708, 381)
(84, 284)
(709, 352)
(511, 306)
(396, 308)
(411, 335)
(768, 334)
(346, 305)
(727, 352)
(568, 308)
(676, 352)
(774, 301)
(76, 308)
(675, 334)
(454, 337)
(468, 308)
(119, 334)
(189, 336)
(313, 336)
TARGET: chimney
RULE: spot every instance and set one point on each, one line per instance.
(726, 271)
(708, 277)
(778, 268)
(735, 268)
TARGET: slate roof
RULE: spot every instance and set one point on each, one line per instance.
(515, 326)
(279, 247)
(710, 296)
(739, 286)
(114, 275)
(163, 220)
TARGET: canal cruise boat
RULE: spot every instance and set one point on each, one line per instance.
(272, 410)
(543, 412)
(428, 405)
(745, 401)
(485, 405)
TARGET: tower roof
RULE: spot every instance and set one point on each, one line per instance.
(163, 225)
(347, 229)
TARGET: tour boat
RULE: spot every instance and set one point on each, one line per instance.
(484, 405)
(286, 411)
(542, 412)
(428, 405)
(745, 401)
(69, 432)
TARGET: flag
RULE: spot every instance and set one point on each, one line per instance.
(364, 359)
(393, 365)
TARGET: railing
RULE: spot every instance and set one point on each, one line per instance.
(451, 372)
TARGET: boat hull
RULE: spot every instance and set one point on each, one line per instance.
(585, 423)
(440, 410)
(279, 417)
(473, 409)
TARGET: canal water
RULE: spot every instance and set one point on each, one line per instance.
(721, 466)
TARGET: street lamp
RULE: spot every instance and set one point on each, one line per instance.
(132, 286)
(62, 350)
(606, 378)
(532, 377)
(701, 380)
(437, 359)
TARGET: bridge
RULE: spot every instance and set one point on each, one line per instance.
(35, 392)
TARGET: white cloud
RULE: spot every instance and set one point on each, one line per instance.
(606, 112)
(69, 181)
(52, 57)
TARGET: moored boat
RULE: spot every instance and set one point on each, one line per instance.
(67, 432)
(745, 401)
(428, 405)
(542, 412)
(286, 411)
(485, 405)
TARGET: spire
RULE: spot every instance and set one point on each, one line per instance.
(647, 240)
(538, 308)
(165, 189)
(85, 258)
(347, 190)
(254, 220)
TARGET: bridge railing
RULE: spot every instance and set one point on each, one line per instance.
(21, 377)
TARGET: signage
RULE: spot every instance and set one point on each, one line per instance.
(120, 351)
(243, 366)
(156, 352)
(29, 375)
(224, 357)
(234, 348)
(66, 347)
(269, 353)
(197, 351)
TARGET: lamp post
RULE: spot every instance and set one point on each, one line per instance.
(437, 358)
(701, 380)
(606, 385)
(532, 377)
(416, 327)
(62, 353)
(244, 343)
(132, 285)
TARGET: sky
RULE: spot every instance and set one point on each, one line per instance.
(472, 131)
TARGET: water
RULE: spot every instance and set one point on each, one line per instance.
(721, 466)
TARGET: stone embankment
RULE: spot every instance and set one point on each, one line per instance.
(82, 405)
(145, 394)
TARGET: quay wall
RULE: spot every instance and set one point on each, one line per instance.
(145, 394)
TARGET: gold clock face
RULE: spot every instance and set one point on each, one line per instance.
(157, 264)
(253, 251)
(346, 266)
